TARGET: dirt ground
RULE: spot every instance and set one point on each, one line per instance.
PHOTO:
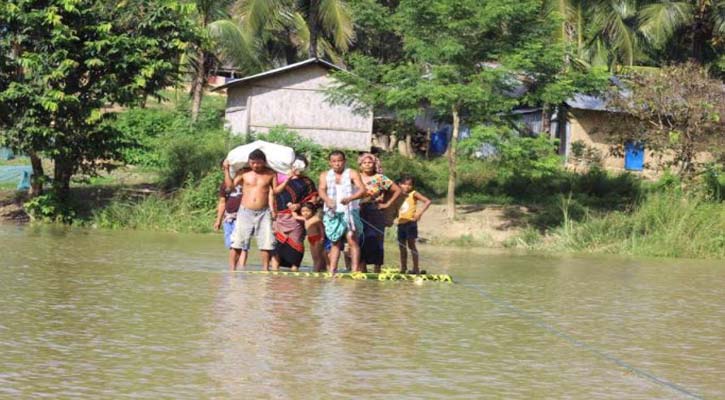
(11, 209)
(482, 224)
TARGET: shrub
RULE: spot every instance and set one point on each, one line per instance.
(204, 194)
(48, 208)
(713, 182)
(189, 157)
(143, 128)
(164, 138)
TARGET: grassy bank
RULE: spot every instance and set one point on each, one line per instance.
(191, 208)
(668, 224)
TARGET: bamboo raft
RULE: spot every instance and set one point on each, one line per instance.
(385, 275)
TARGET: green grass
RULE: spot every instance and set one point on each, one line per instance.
(667, 224)
(8, 185)
(16, 161)
(190, 209)
(154, 213)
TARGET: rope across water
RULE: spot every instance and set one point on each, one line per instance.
(571, 339)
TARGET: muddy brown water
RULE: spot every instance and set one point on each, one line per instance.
(97, 314)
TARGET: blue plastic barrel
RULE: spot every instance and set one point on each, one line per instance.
(633, 156)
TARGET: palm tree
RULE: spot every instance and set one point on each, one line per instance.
(288, 27)
(599, 32)
(702, 22)
(614, 39)
(222, 40)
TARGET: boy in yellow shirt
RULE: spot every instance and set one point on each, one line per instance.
(408, 216)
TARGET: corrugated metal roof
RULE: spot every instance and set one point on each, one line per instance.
(279, 70)
(597, 103)
(587, 102)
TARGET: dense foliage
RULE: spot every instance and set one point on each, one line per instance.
(63, 63)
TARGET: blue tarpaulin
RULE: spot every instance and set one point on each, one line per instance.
(16, 173)
(6, 154)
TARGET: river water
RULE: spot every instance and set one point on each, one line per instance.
(96, 314)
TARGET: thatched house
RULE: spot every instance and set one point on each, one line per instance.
(294, 96)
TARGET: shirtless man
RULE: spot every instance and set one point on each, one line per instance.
(340, 188)
(256, 212)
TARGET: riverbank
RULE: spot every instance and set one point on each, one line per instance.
(11, 208)
(664, 225)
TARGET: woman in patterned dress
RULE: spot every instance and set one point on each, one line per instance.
(382, 192)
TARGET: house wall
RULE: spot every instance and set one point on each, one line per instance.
(297, 100)
(593, 128)
(236, 113)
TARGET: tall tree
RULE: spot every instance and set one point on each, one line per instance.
(222, 41)
(464, 60)
(614, 37)
(312, 27)
(64, 62)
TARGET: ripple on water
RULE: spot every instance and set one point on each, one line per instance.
(106, 315)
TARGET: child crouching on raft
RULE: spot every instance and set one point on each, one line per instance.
(408, 217)
(315, 235)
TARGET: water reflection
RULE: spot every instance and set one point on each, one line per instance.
(89, 314)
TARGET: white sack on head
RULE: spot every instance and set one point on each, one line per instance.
(279, 158)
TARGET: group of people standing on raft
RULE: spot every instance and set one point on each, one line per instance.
(281, 209)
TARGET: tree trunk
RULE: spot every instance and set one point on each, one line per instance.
(699, 38)
(290, 54)
(313, 28)
(62, 173)
(197, 87)
(451, 198)
(36, 181)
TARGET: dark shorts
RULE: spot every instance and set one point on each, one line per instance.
(408, 230)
